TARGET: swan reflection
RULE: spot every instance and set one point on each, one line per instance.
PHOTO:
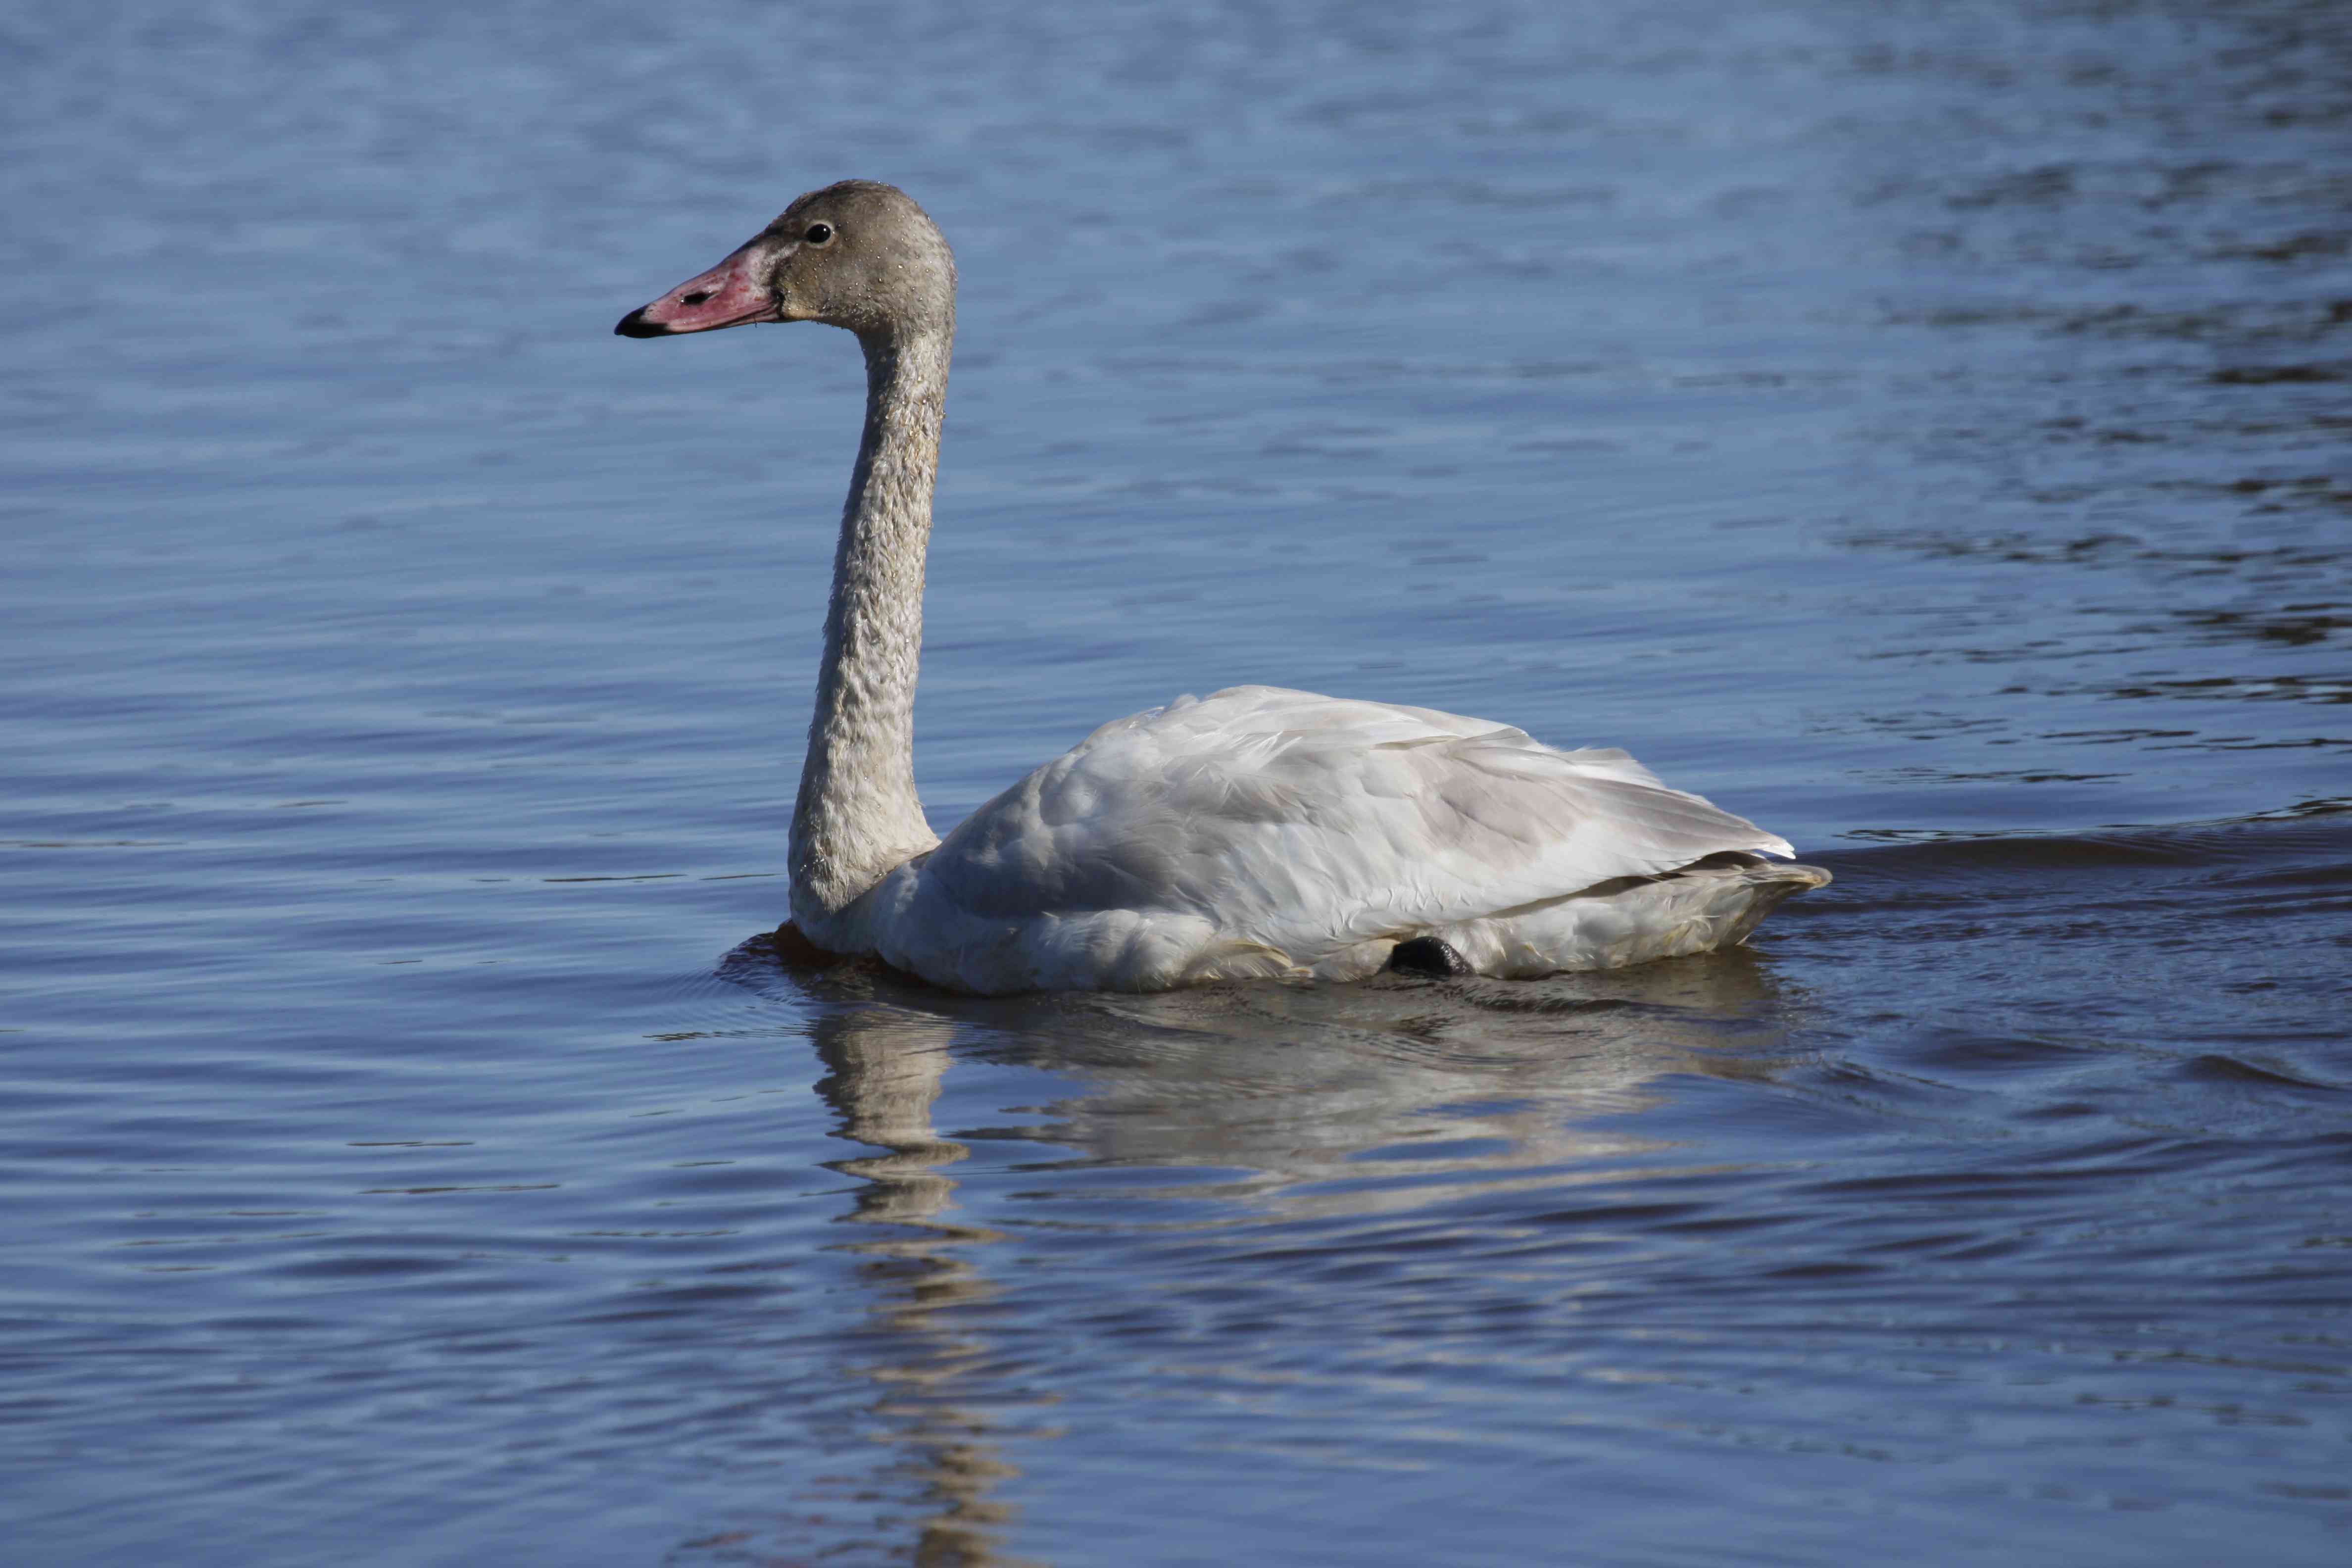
(885, 1068)
(1261, 1102)
(1288, 1088)
(1390, 1095)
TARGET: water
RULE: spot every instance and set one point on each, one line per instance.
(1920, 427)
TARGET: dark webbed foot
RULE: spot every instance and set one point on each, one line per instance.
(1427, 955)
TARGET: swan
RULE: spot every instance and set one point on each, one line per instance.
(1253, 833)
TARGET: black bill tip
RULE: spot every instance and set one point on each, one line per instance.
(635, 325)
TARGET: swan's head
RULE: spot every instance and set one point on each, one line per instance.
(857, 255)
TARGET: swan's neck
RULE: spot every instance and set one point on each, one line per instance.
(857, 816)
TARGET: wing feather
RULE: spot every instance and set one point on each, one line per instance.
(1304, 823)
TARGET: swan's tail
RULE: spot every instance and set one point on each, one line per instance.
(1711, 904)
(1762, 887)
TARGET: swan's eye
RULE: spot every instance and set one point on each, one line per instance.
(819, 234)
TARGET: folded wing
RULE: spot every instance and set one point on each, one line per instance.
(1305, 824)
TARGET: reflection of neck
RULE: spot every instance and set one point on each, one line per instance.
(887, 1069)
(886, 1077)
(858, 815)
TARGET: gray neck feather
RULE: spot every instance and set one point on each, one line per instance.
(858, 815)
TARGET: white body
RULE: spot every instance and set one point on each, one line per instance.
(1265, 833)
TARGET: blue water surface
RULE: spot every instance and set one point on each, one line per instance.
(1920, 427)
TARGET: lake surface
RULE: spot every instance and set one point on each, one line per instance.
(1920, 427)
